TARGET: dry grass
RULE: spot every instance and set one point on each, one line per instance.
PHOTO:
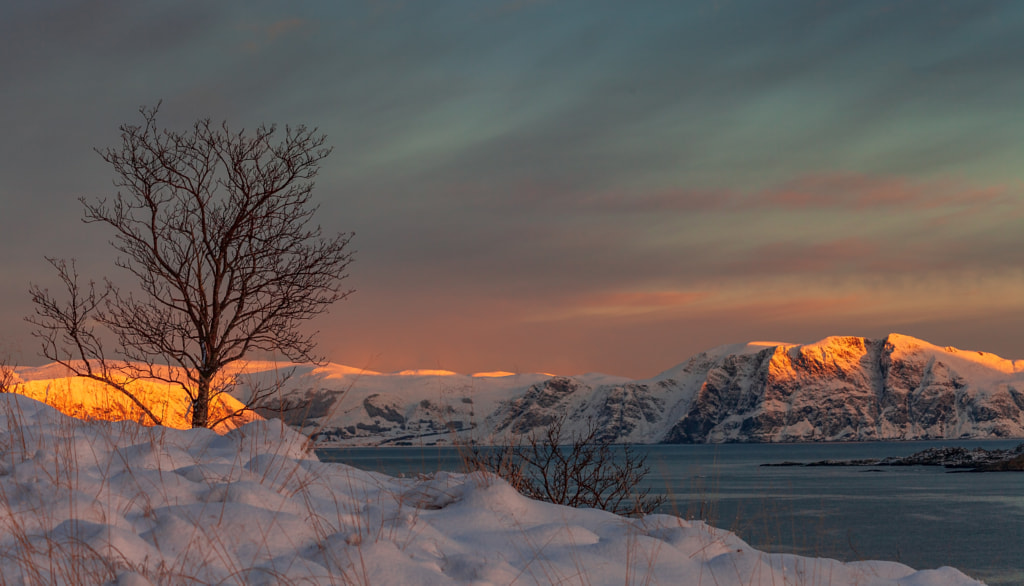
(42, 547)
(568, 468)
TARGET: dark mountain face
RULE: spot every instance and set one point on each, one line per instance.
(838, 389)
(849, 389)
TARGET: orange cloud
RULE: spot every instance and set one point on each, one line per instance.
(845, 190)
(621, 304)
(639, 332)
(800, 307)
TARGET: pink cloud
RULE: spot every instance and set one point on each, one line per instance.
(622, 303)
(792, 257)
(856, 191)
(642, 299)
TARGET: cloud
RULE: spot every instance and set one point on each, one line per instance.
(281, 27)
(613, 254)
(820, 258)
(263, 35)
(703, 163)
(671, 200)
(619, 304)
(859, 192)
(816, 191)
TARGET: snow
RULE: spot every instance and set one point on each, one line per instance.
(493, 374)
(717, 354)
(87, 398)
(969, 360)
(898, 387)
(270, 367)
(118, 503)
(426, 372)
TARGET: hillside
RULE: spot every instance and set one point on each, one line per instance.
(837, 389)
(88, 399)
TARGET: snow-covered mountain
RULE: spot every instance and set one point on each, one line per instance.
(848, 388)
(84, 398)
(838, 389)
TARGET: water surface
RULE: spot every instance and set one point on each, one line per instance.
(923, 516)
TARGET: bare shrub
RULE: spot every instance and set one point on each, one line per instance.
(8, 378)
(569, 468)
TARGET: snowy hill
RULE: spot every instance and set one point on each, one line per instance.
(88, 399)
(838, 389)
(117, 503)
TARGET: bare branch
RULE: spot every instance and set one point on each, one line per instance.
(215, 226)
(65, 331)
(574, 469)
(8, 378)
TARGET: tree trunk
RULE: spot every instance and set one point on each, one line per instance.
(201, 405)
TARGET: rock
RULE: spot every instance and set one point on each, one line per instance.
(387, 407)
(977, 460)
(837, 389)
(1014, 464)
(848, 389)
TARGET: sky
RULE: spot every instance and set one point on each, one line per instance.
(567, 186)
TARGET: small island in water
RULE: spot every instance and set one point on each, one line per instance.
(963, 459)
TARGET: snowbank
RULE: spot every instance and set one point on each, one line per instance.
(115, 502)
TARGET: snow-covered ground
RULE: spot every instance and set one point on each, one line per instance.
(114, 502)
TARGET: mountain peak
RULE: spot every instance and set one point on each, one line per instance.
(840, 388)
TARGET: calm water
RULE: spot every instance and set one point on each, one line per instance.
(922, 516)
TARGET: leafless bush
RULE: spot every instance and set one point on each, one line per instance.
(568, 468)
(7, 376)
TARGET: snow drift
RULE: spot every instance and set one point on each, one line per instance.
(118, 503)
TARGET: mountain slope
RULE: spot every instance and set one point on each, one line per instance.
(837, 389)
(845, 388)
(89, 399)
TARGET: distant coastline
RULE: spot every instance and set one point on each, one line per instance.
(959, 458)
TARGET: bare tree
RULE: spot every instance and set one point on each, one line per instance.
(215, 227)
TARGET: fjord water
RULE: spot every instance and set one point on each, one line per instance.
(923, 516)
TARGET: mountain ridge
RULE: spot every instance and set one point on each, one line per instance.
(840, 388)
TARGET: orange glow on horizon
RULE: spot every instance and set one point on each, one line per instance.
(505, 373)
(493, 374)
(88, 399)
(426, 372)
